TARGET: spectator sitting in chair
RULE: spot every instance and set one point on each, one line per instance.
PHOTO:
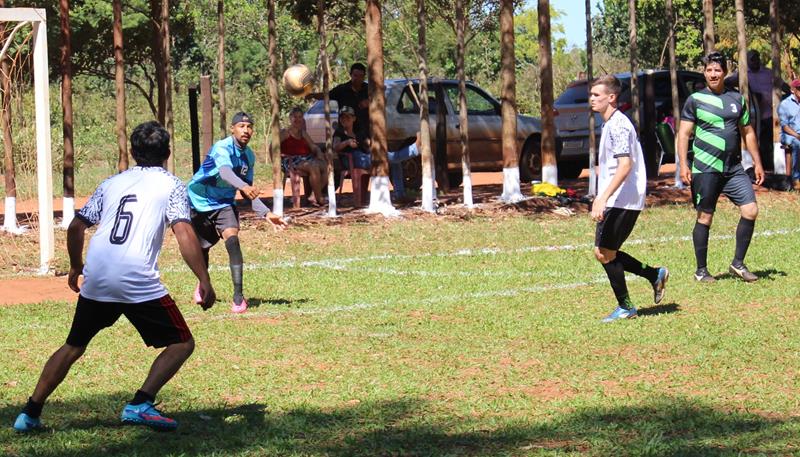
(346, 139)
(789, 115)
(301, 155)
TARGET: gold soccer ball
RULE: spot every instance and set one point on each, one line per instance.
(298, 80)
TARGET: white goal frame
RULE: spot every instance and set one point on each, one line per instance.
(44, 162)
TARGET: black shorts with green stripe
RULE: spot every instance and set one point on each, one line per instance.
(707, 187)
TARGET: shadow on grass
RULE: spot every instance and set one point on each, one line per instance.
(667, 308)
(256, 302)
(668, 426)
(770, 274)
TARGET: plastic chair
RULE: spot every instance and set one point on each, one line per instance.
(359, 178)
(666, 139)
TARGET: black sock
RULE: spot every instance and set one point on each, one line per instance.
(236, 262)
(32, 408)
(744, 233)
(616, 276)
(631, 265)
(141, 397)
(700, 240)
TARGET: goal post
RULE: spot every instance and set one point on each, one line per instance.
(44, 172)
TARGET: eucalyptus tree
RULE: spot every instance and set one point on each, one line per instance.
(223, 115)
(66, 113)
(508, 108)
(119, 88)
(548, 143)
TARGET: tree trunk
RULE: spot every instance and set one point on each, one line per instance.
(548, 143)
(119, 88)
(167, 54)
(66, 111)
(508, 101)
(634, 64)
(379, 201)
(673, 76)
(158, 58)
(223, 115)
(777, 81)
(463, 119)
(741, 39)
(708, 26)
(424, 115)
(323, 57)
(275, 121)
(589, 76)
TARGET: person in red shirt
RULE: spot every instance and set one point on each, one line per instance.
(300, 154)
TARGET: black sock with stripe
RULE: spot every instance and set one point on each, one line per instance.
(631, 265)
(700, 241)
(236, 263)
(744, 233)
(616, 276)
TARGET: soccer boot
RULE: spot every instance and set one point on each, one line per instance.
(703, 275)
(198, 299)
(240, 308)
(660, 284)
(26, 423)
(742, 272)
(147, 414)
(620, 313)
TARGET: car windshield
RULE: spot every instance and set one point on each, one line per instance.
(575, 94)
(319, 107)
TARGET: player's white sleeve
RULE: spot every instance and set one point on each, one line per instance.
(178, 204)
(91, 212)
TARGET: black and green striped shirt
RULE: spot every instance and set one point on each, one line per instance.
(717, 142)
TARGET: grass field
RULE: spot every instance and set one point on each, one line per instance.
(424, 336)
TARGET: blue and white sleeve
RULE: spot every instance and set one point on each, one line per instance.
(178, 205)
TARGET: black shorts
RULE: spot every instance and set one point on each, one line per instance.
(209, 225)
(707, 187)
(159, 322)
(614, 229)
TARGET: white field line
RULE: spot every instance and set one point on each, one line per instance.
(339, 264)
(390, 303)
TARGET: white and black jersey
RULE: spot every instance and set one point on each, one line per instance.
(132, 211)
(619, 140)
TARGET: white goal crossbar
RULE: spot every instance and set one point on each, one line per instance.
(44, 168)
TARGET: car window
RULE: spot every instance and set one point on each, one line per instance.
(477, 103)
(575, 94)
(692, 85)
(319, 107)
(408, 101)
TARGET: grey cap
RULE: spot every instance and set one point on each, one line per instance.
(347, 110)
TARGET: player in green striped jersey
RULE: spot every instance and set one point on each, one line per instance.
(719, 119)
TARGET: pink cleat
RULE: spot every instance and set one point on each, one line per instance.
(240, 308)
(197, 297)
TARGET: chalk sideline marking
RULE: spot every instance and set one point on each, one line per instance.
(338, 264)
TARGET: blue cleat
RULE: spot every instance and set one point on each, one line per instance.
(146, 414)
(26, 423)
(660, 284)
(620, 313)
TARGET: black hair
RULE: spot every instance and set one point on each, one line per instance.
(358, 66)
(717, 58)
(150, 144)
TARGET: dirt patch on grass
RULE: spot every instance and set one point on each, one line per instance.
(34, 290)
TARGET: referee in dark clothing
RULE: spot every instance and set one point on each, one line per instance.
(353, 93)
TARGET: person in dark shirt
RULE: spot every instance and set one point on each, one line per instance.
(353, 93)
(719, 119)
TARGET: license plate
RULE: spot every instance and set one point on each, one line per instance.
(573, 144)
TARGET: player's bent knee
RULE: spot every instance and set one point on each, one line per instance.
(73, 353)
(604, 255)
(705, 218)
(749, 211)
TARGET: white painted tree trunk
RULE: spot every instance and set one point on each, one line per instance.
(380, 201)
(511, 190)
(550, 174)
(331, 196)
(467, 183)
(428, 194)
(779, 160)
(277, 201)
(10, 218)
(68, 212)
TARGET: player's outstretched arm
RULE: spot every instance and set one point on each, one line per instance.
(193, 256)
(684, 132)
(76, 233)
(751, 142)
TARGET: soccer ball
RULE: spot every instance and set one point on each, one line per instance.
(298, 80)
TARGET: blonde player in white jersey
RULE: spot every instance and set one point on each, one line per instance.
(131, 211)
(620, 198)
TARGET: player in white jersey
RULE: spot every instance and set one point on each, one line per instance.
(620, 198)
(132, 211)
